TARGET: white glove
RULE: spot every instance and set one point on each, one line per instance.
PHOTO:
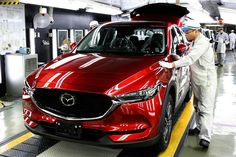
(166, 64)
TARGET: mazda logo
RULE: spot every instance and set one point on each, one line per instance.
(67, 99)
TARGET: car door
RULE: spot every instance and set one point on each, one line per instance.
(182, 73)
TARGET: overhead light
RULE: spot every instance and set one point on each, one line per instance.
(90, 6)
(63, 4)
(42, 19)
(104, 9)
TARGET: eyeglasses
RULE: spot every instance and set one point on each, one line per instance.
(188, 32)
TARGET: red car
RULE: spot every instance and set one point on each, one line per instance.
(111, 90)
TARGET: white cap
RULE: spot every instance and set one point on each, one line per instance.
(190, 24)
(93, 24)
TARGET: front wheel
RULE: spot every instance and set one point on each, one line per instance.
(166, 126)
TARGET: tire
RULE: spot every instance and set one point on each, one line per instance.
(167, 126)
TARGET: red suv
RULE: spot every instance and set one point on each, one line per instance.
(111, 90)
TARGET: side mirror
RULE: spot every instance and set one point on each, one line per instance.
(181, 49)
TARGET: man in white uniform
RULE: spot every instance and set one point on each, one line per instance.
(93, 24)
(203, 79)
(222, 39)
(232, 39)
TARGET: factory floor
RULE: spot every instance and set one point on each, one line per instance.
(15, 140)
(223, 142)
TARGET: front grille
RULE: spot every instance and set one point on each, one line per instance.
(86, 105)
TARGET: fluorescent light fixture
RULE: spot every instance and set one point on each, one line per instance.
(91, 6)
(103, 9)
(63, 4)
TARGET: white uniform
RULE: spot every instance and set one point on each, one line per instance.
(232, 39)
(204, 83)
(221, 39)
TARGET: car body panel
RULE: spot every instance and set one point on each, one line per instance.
(101, 71)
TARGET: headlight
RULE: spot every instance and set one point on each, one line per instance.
(28, 89)
(140, 95)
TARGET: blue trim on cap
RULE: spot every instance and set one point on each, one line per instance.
(185, 29)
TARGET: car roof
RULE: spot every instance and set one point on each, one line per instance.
(136, 23)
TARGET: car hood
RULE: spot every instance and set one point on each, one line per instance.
(91, 72)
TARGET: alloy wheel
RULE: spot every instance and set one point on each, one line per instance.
(168, 122)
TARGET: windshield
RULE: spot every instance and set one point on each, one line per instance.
(125, 39)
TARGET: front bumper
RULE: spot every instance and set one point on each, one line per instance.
(130, 125)
(101, 141)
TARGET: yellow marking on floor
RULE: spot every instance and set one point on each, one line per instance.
(178, 130)
(15, 142)
(1, 104)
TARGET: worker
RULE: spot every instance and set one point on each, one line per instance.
(93, 24)
(203, 79)
(65, 47)
(232, 39)
(222, 39)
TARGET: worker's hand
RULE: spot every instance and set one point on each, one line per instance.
(166, 64)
